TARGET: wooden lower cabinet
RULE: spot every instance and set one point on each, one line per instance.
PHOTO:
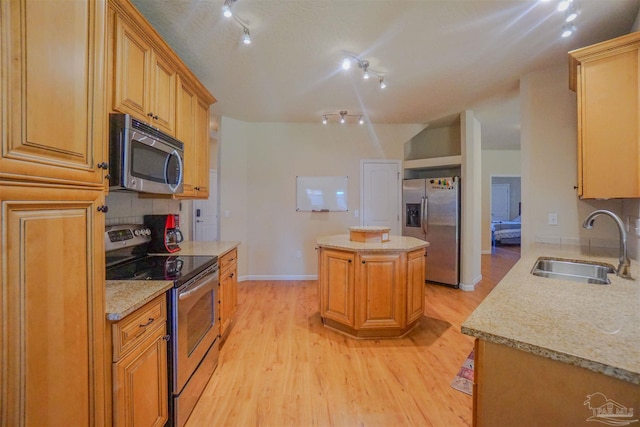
(140, 374)
(371, 294)
(516, 388)
(337, 273)
(228, 295)
(380, 289)
(52, 309)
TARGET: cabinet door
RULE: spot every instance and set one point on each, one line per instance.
(54, 119)
(162, 105)
(185, 131)
(52, 307)
(141, 384)
(605, 77)
(132, 70)
(226, 300)
(415, 285)
(380, 292)
(202, 149)
(337, 277)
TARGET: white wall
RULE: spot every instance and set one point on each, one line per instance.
(495, 162)
(549, 166)
(258, 165)
(471, 202)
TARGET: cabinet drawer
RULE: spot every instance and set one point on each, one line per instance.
(136, 327)
(228, 259)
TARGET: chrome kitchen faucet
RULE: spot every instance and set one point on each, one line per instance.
(624, 265)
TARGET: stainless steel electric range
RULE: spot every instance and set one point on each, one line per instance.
(192, 309)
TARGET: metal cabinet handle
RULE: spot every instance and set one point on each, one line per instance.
(103, 165)
(364, 262)
(150, 115)
(166, 337)
(151, 319)
(103, 208)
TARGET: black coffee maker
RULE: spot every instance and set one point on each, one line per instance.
(165, 233)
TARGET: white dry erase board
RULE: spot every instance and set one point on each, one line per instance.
(322, 193)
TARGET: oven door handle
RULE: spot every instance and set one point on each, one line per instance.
(190, 292)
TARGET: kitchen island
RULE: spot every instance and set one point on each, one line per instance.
(371, 289)
(557, 352)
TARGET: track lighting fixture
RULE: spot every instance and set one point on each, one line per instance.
(228, 13)
(570, 9)
(350, 58)
(246, 37)
(568, 30)
(344, 115)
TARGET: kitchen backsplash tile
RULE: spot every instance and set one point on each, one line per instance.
(127, 208)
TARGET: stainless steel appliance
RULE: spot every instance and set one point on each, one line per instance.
(143, 158)
(432, 213)
(165, 232)
(193, 323)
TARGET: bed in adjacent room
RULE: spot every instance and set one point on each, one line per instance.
(506, 232)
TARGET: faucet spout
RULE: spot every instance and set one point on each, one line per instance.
(624, 264)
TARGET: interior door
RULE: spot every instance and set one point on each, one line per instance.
(205, 213)
(500, 199)
(381, 194)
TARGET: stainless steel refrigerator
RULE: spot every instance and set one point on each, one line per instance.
(432, 213)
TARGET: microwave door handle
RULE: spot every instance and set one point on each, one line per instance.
(175, 187)
(179, 236)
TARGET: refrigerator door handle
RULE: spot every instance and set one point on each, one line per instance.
(425, 215)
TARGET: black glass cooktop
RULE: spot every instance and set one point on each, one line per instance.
(159, 267)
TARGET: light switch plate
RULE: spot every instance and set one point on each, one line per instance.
(553, 219)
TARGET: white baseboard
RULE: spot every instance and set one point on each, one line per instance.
(277, 277)
(471, 287)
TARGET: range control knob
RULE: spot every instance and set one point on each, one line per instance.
(147, 231)
(137, 232)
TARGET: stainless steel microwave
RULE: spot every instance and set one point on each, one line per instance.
(142, 158)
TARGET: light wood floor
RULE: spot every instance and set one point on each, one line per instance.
(281, 367)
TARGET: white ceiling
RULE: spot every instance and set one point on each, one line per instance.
(439, 57)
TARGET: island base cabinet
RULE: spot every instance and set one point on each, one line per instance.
(371, 294)
(516, 388)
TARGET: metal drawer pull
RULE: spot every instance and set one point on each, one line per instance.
(151, 319)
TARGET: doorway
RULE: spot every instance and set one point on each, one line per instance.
(506, 210)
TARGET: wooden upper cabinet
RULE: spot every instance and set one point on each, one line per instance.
(605, 78)
(54, 116)
(52, 306)
(185, 132)
(145, 82)
(192, 128)
(202, 149)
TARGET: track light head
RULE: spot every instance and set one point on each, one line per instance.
(361, 120)
(346, 63)
(382, 83)
(226, 9)
(324, 119)
(568, 30)
(246, 37)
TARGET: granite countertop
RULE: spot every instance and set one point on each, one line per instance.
(593, 326)
(395, 243)
(126, 296)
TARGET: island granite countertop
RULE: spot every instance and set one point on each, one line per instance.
(596, 327)
(123, 297)
(395, 243)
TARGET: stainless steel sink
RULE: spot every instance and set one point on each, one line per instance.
(576, 271)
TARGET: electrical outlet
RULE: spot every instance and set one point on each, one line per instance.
(356, 213)
(553, 219)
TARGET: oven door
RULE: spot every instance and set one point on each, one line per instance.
(195, 324)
